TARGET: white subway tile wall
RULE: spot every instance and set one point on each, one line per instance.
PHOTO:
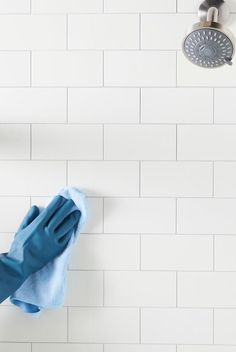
(98, 95)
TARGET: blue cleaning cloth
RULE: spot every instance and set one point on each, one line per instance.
(46, 288)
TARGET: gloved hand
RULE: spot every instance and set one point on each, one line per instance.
(40, 238)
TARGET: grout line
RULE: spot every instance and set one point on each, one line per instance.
(176, 6)
(30, 7)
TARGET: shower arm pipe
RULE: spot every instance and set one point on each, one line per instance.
(212, 14)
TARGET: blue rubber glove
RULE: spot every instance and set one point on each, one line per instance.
(40, 239)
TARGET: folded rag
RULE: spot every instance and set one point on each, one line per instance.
(46, 288)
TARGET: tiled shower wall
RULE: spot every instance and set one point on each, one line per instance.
(97, 94)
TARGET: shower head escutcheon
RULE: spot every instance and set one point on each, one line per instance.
(209, 44)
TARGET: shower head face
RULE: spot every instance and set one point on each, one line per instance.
(208, 47)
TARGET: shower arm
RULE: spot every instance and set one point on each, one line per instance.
(212, 14)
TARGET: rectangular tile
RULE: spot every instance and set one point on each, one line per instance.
(15, 347)
(106, 252)
(109, 179)
(67, 68)
(109, 105)
(31, 178)
(14, 6)
(207, 290)
(44, 32)
(64, 6)
(140, 68)
(93, 325)
(209, 348)
(177, 105)
(225, 326)
(59, 347)
(14, 324)
(139, 6)
(225, 111)
(192, 6)
(14, 68)
(67, 142)
(85, 288)
(177, 326)
(225, 179)
(176, 179)
(152, 25)
(206, 142)
(140, 142)
(171, 252)
(194, 76)
(15, 142)
(225, 259)
(139, 348)
(129, 289)
(206, 216)
(139, 215)
(32, 105)
(103, 31)
(13, 210)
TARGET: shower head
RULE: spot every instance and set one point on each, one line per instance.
(208, 44)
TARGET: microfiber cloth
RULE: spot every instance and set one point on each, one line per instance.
(46, 288)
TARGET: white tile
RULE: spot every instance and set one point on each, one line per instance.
(59, 347)
(177, 326)
(106, 252)
(31, 178)
(5, 242)
(103, 31)
(225, 258)
(15, 347)
(225, 326)
(94, 223)
(14, 6)
(193, 5)
(206, 216)
(177, 105)
(140, 68)
(13, 210)
(14, 68)
(93, 325)
(85, 288)
(176, 179)
(26, 105)
(140, 215)
(225, 111)
(32, 32)
(140, 6)
(139, 348)
(66, 142)
(67, 68)
(14, 324)
(109, 105)
(225, 179)
(212, 142)
(14, 142)
(209, 348)
(152, 26)
(192, 76)
(105, 178)
(140, 142)
(64, 6)
(207, 290)
(176, 252)
(129, 289)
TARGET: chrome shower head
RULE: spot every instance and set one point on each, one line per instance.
(209, 44)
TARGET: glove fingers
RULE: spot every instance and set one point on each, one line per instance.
(30, 216)
(60, 215)
(51, 209)
(66, 238)
(68, 224)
